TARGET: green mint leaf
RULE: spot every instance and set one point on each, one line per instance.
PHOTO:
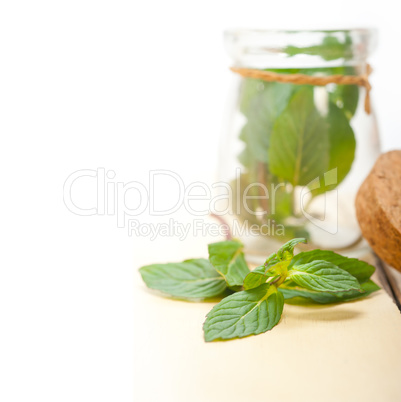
(248, 90)
(346, 97)
(228, 259)
(271, 260)
(299, 143)
(323, 276)
(341, 150)
(191, 279)
(255, 149)
(249, 312)
(260, 274)
(290, 290)
(261, 102)
(361, 270)
(286, 252)
(342, 143)
(275, 265)
(256, 278)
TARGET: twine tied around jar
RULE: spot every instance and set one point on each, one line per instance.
(361, 80)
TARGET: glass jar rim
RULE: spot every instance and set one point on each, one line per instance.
(363, 31)
(264, 48)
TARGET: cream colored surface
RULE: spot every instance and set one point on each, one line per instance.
(344, 352)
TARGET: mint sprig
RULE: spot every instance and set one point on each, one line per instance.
(257, 298)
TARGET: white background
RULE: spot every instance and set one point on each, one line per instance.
(128, 86)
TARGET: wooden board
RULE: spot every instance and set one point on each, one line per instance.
(343, 352)
(390, 280)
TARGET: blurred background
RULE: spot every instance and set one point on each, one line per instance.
(127, 86)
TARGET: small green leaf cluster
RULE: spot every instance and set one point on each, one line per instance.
(255, 299)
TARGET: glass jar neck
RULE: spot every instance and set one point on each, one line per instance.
(300, 49)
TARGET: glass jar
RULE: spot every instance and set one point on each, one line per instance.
(295, 154)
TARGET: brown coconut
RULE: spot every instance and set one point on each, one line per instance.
(378, 208)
